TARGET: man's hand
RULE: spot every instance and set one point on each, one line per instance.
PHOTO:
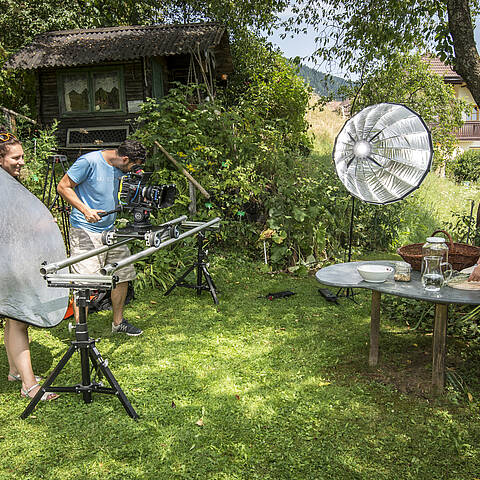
(475, 275)
(66, 188)
(92, 216)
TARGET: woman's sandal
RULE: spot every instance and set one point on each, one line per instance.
(17, 378)
(46, 397)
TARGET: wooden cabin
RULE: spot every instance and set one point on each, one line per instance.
(94, 81)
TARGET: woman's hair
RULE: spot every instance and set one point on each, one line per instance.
(6, 140)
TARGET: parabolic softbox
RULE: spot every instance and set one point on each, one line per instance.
(383, 153)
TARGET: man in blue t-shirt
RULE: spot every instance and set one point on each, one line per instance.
(91, 187)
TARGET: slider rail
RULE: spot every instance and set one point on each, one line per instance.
(112, 267)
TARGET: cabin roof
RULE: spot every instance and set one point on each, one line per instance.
(69, 48)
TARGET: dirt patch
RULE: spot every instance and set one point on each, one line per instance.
(408, 371)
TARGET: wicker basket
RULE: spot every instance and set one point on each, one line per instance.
(460, 255)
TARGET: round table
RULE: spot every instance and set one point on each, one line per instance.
(345, 275)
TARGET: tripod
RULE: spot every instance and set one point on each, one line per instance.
(202, 271)
(50, 182)
(88, 353)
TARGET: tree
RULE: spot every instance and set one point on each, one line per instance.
(362, 34)
(407, 80)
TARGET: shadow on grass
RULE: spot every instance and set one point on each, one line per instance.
(253, 389)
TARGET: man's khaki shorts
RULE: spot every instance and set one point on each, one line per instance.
(82, 241)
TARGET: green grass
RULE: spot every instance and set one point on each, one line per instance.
(282, 388)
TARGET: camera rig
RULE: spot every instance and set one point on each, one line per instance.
(90, 358)
(140, 199)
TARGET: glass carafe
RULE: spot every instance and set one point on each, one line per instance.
(434, 274)
(435, 247)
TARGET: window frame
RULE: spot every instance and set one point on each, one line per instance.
(476, 113)
(90, 72)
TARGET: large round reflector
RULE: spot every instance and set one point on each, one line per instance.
(383, 153)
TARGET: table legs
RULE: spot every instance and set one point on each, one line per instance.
(439, 341)
(439, 347)
(374, 328)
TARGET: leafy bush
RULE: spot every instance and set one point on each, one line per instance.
(241, 146)
(466, 167)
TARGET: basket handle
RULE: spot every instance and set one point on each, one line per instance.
(447, 234)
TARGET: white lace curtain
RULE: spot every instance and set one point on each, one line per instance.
(105, 81)
(75, 86)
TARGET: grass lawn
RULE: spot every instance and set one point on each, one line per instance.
(251, 389)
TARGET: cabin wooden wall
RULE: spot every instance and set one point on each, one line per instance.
(49, 107)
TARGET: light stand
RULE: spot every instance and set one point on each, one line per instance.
(349, 293)
(202, 268)
(49, 184)
(90, 358)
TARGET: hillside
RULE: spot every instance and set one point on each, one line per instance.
(321, 83)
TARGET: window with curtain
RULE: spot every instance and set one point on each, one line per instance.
(92, 91)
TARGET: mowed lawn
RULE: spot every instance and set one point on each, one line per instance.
(251, 389)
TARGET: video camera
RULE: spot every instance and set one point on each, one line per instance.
(140, 199)
(134, 192)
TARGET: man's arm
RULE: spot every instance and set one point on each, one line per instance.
(66, 190)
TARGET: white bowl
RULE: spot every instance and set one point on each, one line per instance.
(374, 273)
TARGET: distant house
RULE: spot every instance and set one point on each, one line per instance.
(468, 135)
(94, 81)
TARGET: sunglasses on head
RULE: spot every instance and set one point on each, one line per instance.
(5, 137)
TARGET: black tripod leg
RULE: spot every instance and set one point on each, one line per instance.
(211, 285)
(86, 381)
(99, 363)
(179, 280)
(48, 382)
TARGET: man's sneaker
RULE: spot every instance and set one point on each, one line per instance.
(127, 328)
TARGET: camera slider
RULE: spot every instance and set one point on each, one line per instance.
(89, 354)
(200, 265)
(153, 237)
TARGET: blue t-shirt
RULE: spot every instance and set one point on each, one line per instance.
(97, 188)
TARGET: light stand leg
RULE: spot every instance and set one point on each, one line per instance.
(349, 293)
(202, 271)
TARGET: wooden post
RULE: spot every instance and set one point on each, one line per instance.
(374, 328)
(192, 208)
(439, 347)
(189, 177)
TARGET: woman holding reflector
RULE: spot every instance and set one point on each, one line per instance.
(16, 333)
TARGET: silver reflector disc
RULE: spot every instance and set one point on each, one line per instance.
(29, 235)
(383, 153)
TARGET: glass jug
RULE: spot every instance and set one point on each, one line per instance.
(435, 247)
(433, 278)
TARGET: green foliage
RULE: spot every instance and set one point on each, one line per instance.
(360, 35)
(406, 79)
(37, 145)
(466, 166)
(241, 146)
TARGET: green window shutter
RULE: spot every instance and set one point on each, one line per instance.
(157, 79)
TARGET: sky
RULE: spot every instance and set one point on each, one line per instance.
(304, 45)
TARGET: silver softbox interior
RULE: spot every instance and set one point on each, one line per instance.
(383, 153)
(29, 235)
